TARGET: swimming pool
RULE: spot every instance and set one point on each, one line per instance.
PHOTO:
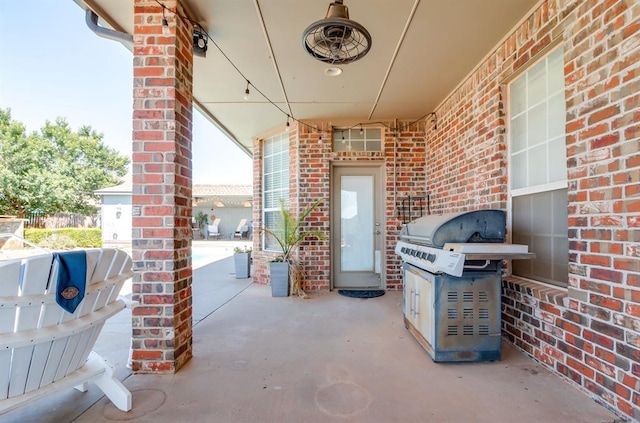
(198, 256)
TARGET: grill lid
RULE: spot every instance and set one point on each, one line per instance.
(486, 226)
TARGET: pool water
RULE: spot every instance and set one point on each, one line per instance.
(198, 256)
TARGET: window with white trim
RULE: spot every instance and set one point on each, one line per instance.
(357, 139)
(538, 170)
(275, 184)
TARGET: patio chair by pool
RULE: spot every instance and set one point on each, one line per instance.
(242, 230)
(213, 231)
(53, 308)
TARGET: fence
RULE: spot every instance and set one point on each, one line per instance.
(60, 220)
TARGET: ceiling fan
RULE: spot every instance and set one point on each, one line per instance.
(336, 39)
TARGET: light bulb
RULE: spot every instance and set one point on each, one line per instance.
(288, 126)
(361, 131)
(246, 92)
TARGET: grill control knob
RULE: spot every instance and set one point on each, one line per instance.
(431, 257)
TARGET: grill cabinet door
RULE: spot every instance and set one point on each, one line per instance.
(418, 303)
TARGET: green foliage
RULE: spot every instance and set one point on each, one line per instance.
(202, 219)
(65, 238)
(244, 249)
(287, 232)
(54, 170)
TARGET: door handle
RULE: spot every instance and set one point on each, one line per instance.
(376, 233)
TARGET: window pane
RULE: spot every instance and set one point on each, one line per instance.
(518, 96)
(560, 265)
(519, 171)
(356, 135)
(556, 116)
(541, 218)
(356, 203)
(276, 183)
(374, 146)
(519, 133)
(556, 72)
(537, 165)
(537, 128)
(357, 145)
(339, 145)
(540, 221)
(374, 134)
(560, 213)
(537, 84)
(557, 160)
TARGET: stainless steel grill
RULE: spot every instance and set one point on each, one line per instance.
(451, 275)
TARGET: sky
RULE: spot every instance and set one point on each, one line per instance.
(52, 65)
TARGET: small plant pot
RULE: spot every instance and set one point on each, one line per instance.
(242, 262)
(279, 272)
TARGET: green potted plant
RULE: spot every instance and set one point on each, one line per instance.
(242, 261)
(286, 270)
(202, 220)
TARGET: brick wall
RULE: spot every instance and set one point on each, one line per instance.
(588, 333)
(162, 323)
(311, 157)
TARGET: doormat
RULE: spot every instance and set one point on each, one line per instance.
(361, 293)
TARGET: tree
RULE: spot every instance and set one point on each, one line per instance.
(54, 170)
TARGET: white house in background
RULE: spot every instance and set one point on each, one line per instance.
(115, 212)
(229, 203)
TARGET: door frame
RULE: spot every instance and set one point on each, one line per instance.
(334, 254)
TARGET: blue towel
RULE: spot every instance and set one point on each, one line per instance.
(72, 278)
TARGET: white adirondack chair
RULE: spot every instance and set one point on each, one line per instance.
(43, 348)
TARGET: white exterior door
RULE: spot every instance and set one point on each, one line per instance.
(357, 229)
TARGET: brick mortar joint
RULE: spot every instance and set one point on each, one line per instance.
(538, 287)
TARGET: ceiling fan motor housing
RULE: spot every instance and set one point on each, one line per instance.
(337, 10)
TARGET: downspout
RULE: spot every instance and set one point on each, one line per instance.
(92, 22)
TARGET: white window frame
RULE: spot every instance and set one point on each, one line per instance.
(279, 192)
(532, 189)
(347, 135)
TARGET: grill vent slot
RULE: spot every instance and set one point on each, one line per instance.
(467, 313)
(483, 297)
(452, 313)
(483, 330)
(483, 313)
(467, 296)
(452, 296)
(452, 330)
(467, 330)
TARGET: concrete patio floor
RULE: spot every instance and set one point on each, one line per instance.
(326, 359)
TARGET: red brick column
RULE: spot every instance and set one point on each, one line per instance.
(162, 183)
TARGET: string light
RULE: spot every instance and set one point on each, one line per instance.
(246, 92)
(288, 127)
(314, 128)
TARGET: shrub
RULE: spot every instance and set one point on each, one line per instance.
(65, 238)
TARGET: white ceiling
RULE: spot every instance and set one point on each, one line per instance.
(421, 49)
